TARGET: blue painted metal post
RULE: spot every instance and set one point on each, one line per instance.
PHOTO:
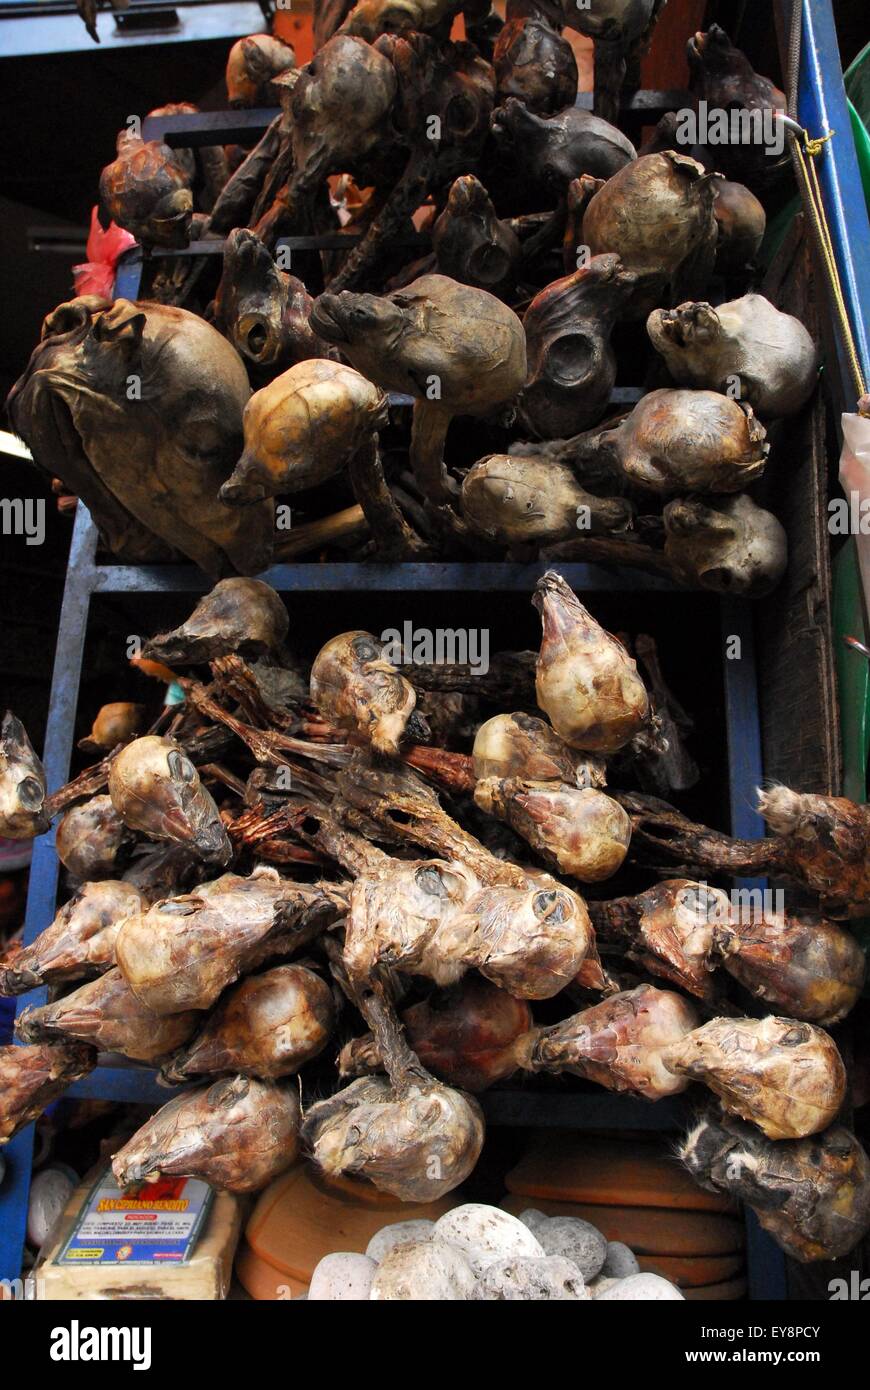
(42, 889)
(765, 1261)
(822, 107)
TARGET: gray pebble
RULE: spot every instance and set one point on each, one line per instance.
(619, 1262)
(576, 1240)
(533, 1218)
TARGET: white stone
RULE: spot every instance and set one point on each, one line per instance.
(399, 1233)
(486, 1234)
(426, 1270)
(539, 1278)
(342, 1277)
(639, 1288)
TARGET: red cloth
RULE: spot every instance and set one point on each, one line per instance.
(96, 275)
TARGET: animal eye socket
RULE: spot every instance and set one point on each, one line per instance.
(365, 650)
(550, 905)
(30, 794)
(430, 881)
(181, 768)
(176, 909)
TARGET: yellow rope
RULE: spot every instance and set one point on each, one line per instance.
(806, 157)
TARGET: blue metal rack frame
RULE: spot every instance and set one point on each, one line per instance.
(87, 578)
(822, 107)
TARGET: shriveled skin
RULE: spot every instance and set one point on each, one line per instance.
(456, 349)
(237, 615)
(580, 832)
(742, 222)
(115, 723)
(148, 467)
(89, 837)
(549, 151)
(657, 215)
(530, 941)
(435, 326)
(22, 783)
(825, 843)
(799, 964)
(572, 365)
(369, 18)
(32, 1077)
(183, 952)
(467, 1036)
(469, 241)
(79, 942)
(770, 354)
(812, 1195)
(686, 441)
(670, 930)
(396, 917)
(611, 20)
(207, 166)
(786, 1077)
(586, 683)
(252, 63)
(147, 191)
(722, 76)
(419, 1144)
(516, 500)
(536, 65)
(520, 745)
(236, 1134)
(303, 428)
(621, 30)
(156, 789)
(268, 1026)
(356, 688)
(729, 545)
(339, 112)
(619, 1043)
(261, 309)
(106, 1013)
(340, 105)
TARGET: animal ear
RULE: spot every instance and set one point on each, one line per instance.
(75, 313)
(123, 323)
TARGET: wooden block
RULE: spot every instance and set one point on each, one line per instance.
(301, 1217)
(693, 1271)
(206, 1276)
(718, 1293)
(571, 1167)
(648, 1230)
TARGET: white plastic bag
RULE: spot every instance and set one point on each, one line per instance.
(855, 482)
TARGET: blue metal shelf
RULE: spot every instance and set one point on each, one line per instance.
(86, 578)
(822, 107)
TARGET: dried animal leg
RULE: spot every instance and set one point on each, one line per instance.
(267, 1026)
(786, 1077)
(585, 681)
(32, 1077)
(79, 942)
(106, 1013)
(182, 953)
(236, 1134)
(22, 783)
(802, 966)
(812, 1195)
(466, 1035)
(620, 1043)
(156, 789)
